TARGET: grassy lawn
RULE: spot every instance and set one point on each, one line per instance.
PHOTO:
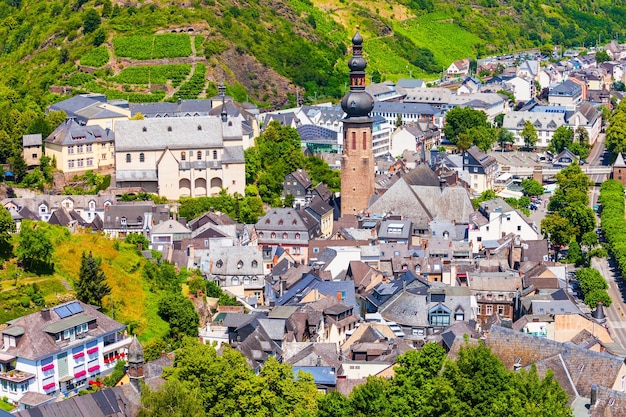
(6, 406)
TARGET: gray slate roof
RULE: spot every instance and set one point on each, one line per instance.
(31, 140)
(36, 343)
(71, 132)
(174, 133)
(180, 108)
(106, 403)
(421, 204)
(237, 260)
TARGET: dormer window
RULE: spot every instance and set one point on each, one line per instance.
(219, 263)
(123, 221)
(254, 264)
(145, 129)
(240, 264)
(199, 127)
(169, 128)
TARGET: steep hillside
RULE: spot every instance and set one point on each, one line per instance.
(132, 300)
(265, 51)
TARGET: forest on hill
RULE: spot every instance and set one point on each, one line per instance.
(270, 53)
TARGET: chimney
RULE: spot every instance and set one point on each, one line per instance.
(594, 395)
(45, 314)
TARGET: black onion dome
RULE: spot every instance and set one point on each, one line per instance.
(357, 39)
(357, 63)
(357, 103)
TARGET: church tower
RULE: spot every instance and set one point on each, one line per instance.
(357, 160)
(135, 363)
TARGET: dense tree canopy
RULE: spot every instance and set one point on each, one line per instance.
(426, 384)
(35, 249)
(572, 215)
(460, 120)
(178, 311)
(277, 153)
(224, 385)
(616, 132)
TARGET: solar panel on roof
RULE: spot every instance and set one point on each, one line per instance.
(63, 312)
(75, 308)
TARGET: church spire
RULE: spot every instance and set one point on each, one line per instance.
(222, 93)
(357, 103)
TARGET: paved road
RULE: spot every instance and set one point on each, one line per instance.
(616, 314)
(598, 154)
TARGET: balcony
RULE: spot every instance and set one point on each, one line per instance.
(16, 376)
(111, 346)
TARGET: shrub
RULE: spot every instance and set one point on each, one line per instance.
(168, 45)
(96, 57)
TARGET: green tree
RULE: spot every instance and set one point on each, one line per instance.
(563, 138)
(285, 395)
(333, 404)
(99, 37)
(138, 240)
(18, 166)
(91, 286)
(372, 398)
(529, 134)
(581, 218)
(590, 279)
(154, 349)
(589, 240)
(532, 187)
(107, 8)
(460, 119)
(91, 21)
(616, 132)
(289, 200)
(505, 137)
(7, 228)
(574, 254)
(178, 311)
(172, 399)
(602, 56)
(55, 118)
(35, 249)
(557, 228)
(593, 297)
(483, 137)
